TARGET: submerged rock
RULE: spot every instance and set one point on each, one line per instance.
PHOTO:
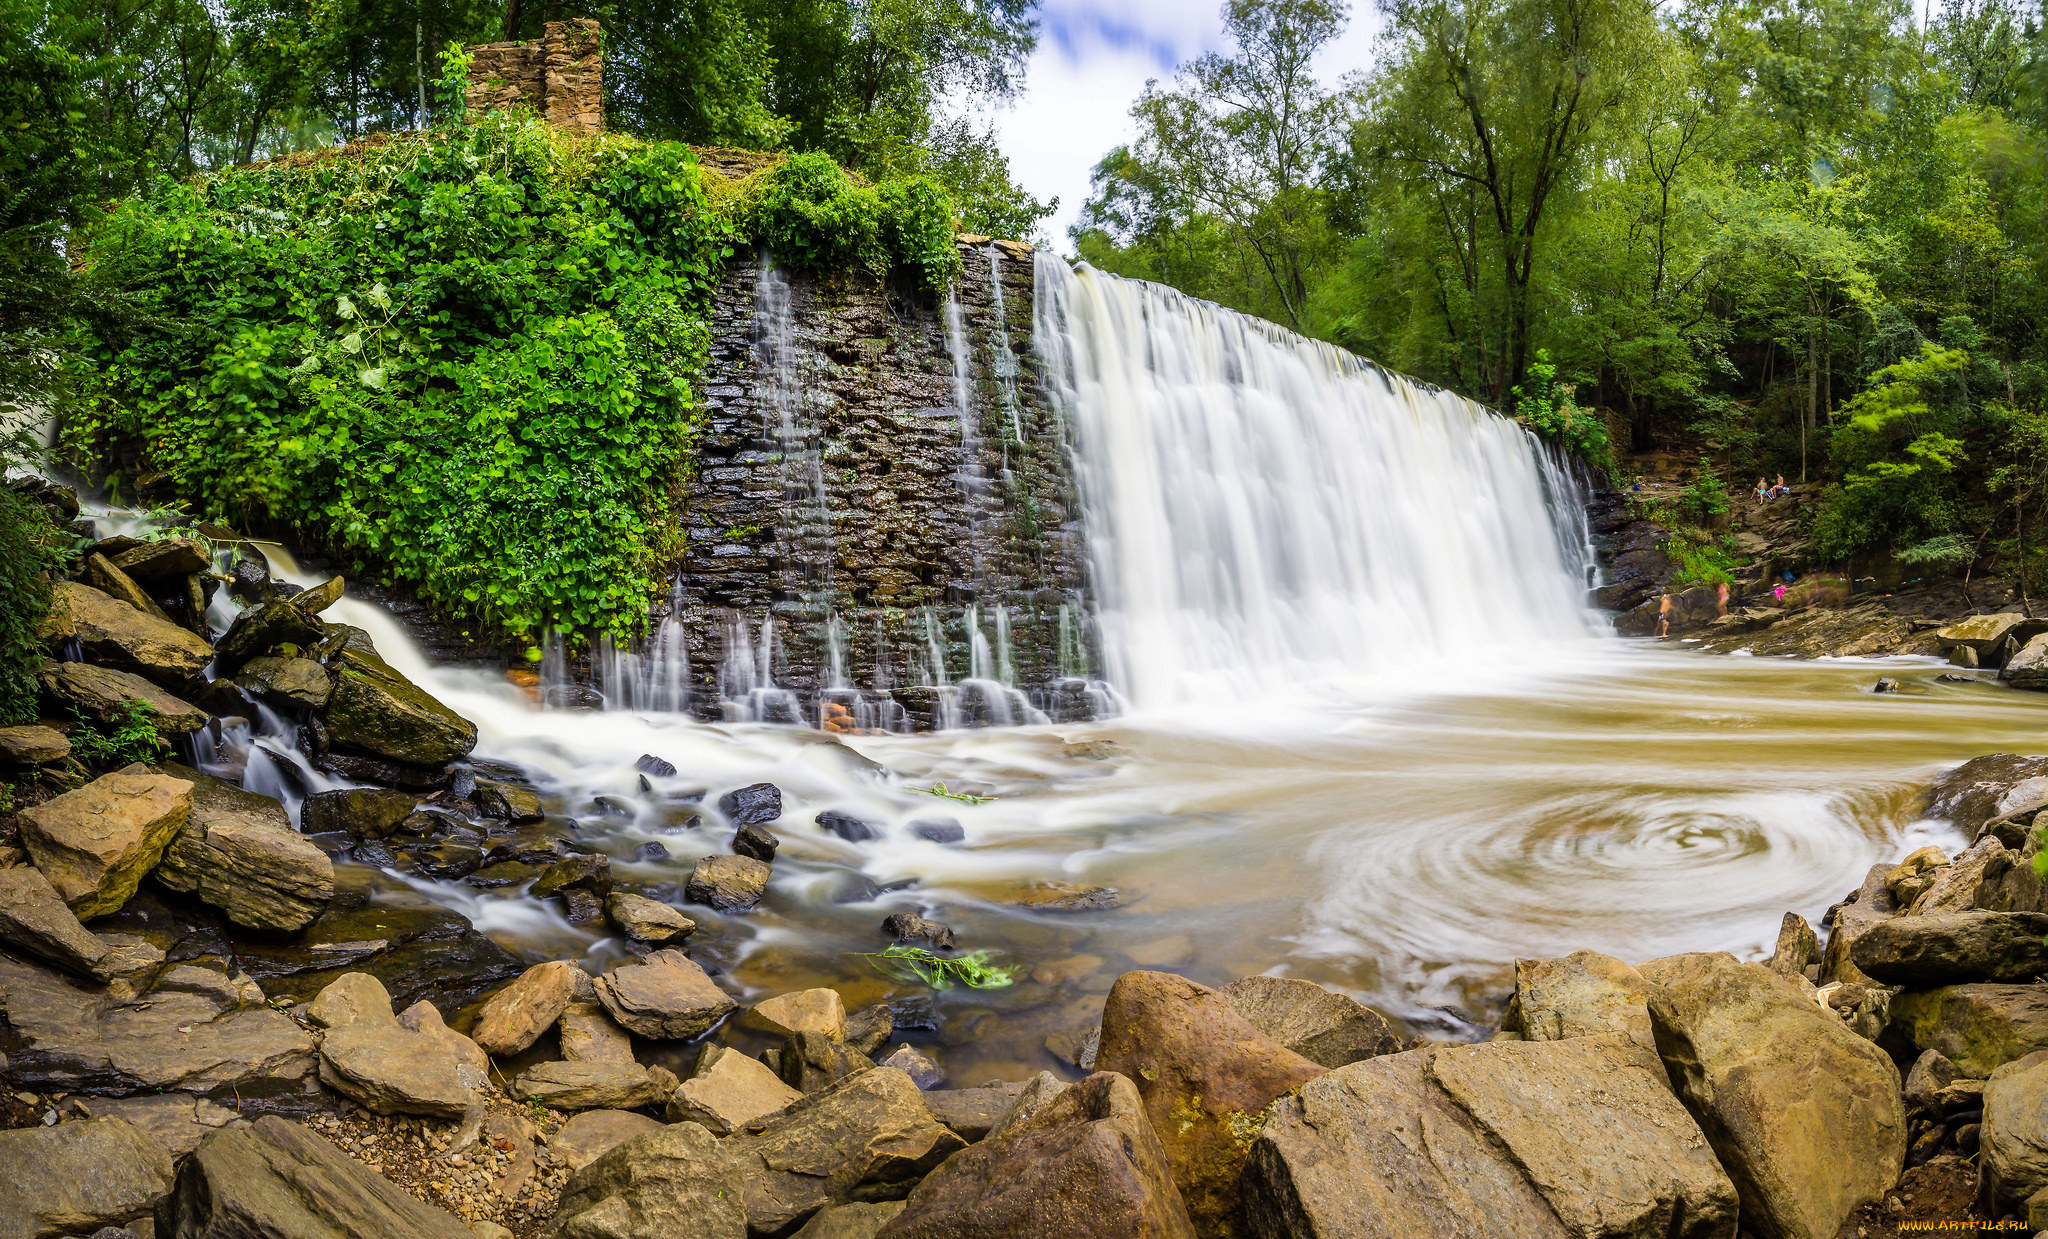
(96, 843)
(239, 853)
(910, 927)
(1324, 1027)
(938, 830)
(77, 1177)
(847, 826)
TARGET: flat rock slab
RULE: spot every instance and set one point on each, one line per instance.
(277, 1179)
(77, 1177)
(1955, 948)
(239, 853)
(679, 1180)
(112, 632)
(103, 693)
(566, 1085)
(590, 1035)
(666, 997)
(163, 558)
(811, 1010)
(594, 1133)
(731, 1092)
(1324, 1027)
(96, 843)
(177, 1121)
(515, 1017)
(34, 918)
(1977, 1027)
(396, 1070)
(33, 744)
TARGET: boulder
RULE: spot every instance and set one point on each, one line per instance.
(163, 559)
(589, 1035)
(1910, 878)
(1871, 905)
(922, 1071)
(591, 873)
(1205, 1074)
(664, 997)
(1958, 887)
(103, 693)
(1987, 787)
(869, 1138)
(116, 634)
(755, 841)
(77, 1177)
(261, 629)
(396, 1070)
(1089, 1164)
(2029, 668)
(508, 802)
(33, 918)
(730, 884)
(1982, 634)
(101, 574)
(33, 744)
(1026, 1100)
(647, 920)
(176, 1121)
(594, 1133)
(320, 597)
(277, 1180)
(910, 927)
(1324, 1027)
(810, 1010)
(854, 1221)
(2014, 1139)
(1805, 1115)
(351, 998)
(377, 711)
(593, 1085)
(869, 1028)
(1582, 995)
(515, 1017)
(1797, 948)
(239, 853)
(679, 1180)
(425, 1018)
(359, 812)
(1977, 1027)
(847, 826)
(1953, 948)
(286, 681)
(96, 843)
(811, 1061)
(728, 1091)
(752, 805)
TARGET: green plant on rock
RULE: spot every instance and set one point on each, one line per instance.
(1700, 562)
(1707, 497)
(915, 964)
(32, 550)
(122, 741)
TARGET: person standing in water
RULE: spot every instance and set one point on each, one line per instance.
(1664, 616)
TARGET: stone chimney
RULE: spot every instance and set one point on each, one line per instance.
(560, 76)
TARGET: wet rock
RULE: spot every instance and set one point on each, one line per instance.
(2028, 669)
(589, 1035)
(1959, 887)
(1805, 1115)
(651, 765)
(77, 1177)
(360, 769)
(1582, 995)
(376, 711)
(593, 1085)
(1987, 787)
(869, 1138)
(855, 1221)
(392, 1069)
(1069, 897)
(910, 927)
(1326, 1028)
(103, 693)
(647, 920)
(360, 812)
(447, 861)
(351, 998)
(1089, 1164)
(101, 574)
(847, 826)
(594, 1133)
(572, 697)
(974, 1112)
(1977, 1027)
(2014, 1137)
(277, 1180)
(755, 842)
(96, 843)
(315, 599)
(178, 1035)
(727, 1091)
(515, 1017)
(679, 1180)
(664, 997)
(419, 950)
(870, 1027)
(810, 1062)
(813, 1010)
(116, 634)
(1205, 1074)
(1910, 878)
(1885, 684)
(652, 850)
(286, 681)
(1951, 948)
(506, 802)
(581, 907)
(730, 884)
(33, 745)
(163, 559)
(33, 918)
(591, 873)
(239, 853)
(922, 1071)
(260, 630)
(939, 830)
(752, 805)
(1797, 949)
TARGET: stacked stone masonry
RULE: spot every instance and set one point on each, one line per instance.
(560, 76)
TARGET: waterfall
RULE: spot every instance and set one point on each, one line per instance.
(1267, 512)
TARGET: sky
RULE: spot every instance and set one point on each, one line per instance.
(1092, 61)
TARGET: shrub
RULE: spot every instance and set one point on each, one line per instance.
(29, 553)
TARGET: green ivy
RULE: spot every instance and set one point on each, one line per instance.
(1546, 406)
(464, 356)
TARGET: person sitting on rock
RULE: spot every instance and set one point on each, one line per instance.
(1780, 488)
(1762, 491)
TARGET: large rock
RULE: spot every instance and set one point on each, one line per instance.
(103, 693)
(1960, 886)
(516, 1016)
(2014, 1139)
(665, 997)
(594, 1133)
(680, 1180)
(377, 711)
(1584, 994)
(1805, 1115)
(1324, 1027)
(868, 1138)
(811, 1010)
(2029, 668)
(33, 744)
(1206, 1076)
(592, 1085)
(728, 1091)
(114, 633)
(163, 559)
(287, 681)
(1987, 787)
(101, 574)
(425, 1018)
(647, 920)
(351, 998)
(1952, 948)
(277, 1180)
(1977, 1027)
(396, 1070)
(77, 1177)
(96, 843)
(261, 629)
(731, 884)
(978, 1112)
(191, 1031)
(589, 1035)
(752, 805)
(177, 1121)
(33, 917)
(239, 853)
(1871, 905)
(359, 812)
(810, 1061)
(1088, 1165)
(850, 1221)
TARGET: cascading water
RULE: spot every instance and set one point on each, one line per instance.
(1266, 512)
